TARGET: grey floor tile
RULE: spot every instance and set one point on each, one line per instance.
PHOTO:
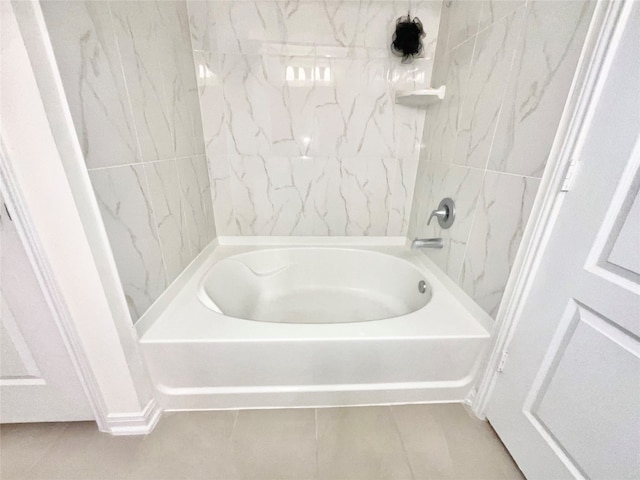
(23, 445)
(475, 449)
(425, 441)
(84, 453)
(275, 444)
(400, 442)
(187, 445)
(360, 443)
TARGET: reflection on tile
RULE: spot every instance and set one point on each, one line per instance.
(86, 53)
(275, 444)
(125, 205)
(294, 86)
(541, 77)
(166, 200)
(503, 210)
(360, 443)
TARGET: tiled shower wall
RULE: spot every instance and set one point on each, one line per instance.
(302, 133)
(508, 68)
(128, 75)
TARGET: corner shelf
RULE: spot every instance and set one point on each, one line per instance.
(420, 98)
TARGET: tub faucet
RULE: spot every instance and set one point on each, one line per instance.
(427, 243)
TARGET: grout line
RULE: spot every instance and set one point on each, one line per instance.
(145, 163)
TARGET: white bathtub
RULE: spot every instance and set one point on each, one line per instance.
(311, 325)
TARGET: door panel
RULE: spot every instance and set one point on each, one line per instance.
(38, 382)
(567, 403)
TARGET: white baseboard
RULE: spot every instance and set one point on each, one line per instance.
(141, 423)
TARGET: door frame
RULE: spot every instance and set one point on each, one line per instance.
(45, 184)
(600, 44)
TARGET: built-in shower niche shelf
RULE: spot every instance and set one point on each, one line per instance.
(420, 98)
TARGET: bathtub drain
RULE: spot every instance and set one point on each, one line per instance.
(422, 286)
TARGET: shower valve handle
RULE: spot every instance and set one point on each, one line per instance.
(445, 213)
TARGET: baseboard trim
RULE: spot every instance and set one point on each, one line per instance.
(141, 423)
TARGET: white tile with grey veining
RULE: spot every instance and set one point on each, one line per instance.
(540, 80)
(211, 100)
(196, 200)
(282, 195)
(448, 119)
(87, 56)
(463, 186)
(175, 56)
(482, 97)
(137, 28)
(222, 198)
(355, 113)
(250, 27)
(248, 124)
(502, 213)
(166, 201)
(494, 10)
(465, 17)
(365, 188)
(202, 24)
(125, 204)
(291, 95)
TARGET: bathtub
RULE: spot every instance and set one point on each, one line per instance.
(322, 324)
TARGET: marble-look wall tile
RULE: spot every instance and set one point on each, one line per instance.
(137, 28)
(196, 200)
(302, 133)
(125, 204)
(501, 114)
(463, 185)
(503, 210)
(465, 17)
(202, 24)
(128, 71)
(482, 96)
(448, 119)
(169, 215)
(540, 81)
(87, 56)
(494, 10)
(175, 56)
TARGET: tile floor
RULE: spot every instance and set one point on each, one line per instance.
(400, 442)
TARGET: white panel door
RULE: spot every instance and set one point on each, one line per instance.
(567, 404)
(38, 382)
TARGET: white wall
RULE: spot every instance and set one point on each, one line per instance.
(328, 155)
(508, 67)
(128, 76)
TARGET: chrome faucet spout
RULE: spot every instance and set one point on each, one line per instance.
(427, 243)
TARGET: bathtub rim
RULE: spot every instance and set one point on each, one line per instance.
(247, 244)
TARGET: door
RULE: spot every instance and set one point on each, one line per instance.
(567, 403)
(38, 382)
